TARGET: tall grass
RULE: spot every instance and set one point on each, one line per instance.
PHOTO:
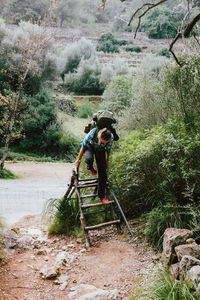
(164, 286)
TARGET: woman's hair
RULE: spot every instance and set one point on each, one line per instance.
(105, 134)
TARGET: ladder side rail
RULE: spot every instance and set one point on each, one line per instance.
(123, 215)
(82, 219)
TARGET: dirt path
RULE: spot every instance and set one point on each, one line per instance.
(113, 263)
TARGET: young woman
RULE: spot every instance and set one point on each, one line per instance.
(97, 143)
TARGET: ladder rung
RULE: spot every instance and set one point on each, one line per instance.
(95, 204)
(80, 186)
(89, 196)
(101, 225)
(88, 179)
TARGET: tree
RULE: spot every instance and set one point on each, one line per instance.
(186, 25)
(26, 53)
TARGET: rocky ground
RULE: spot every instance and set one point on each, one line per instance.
(38, 266)
(59, 267)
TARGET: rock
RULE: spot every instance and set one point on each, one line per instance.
(41, 252)
(49, 272)
(26, 242)
(193, 276)
(174, 270)
(188, 249)
(187, 262)
(172, 238)
(61, 279)
(61, 259)
(63, 286)
(9, 237)
(190, 241)
(90, 292)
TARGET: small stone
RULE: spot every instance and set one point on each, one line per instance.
(63, 286)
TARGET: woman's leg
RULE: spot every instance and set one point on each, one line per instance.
(102, 174)
(89, 158)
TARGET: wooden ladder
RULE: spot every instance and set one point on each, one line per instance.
(76, 185)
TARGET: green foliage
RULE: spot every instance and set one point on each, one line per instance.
(180, 87)
(7, 174)
(157, 167)
(166, 216)
(118, 94)
(85, 110)
(42, 132)
(63, 215)
(14, 155)
(24, 60)
(160, 23)
(87, 79)
(162, 285)
(75, 53)
(164, 52)
(108, 43)
(133, 49)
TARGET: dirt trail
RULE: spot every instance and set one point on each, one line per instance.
(113, 262)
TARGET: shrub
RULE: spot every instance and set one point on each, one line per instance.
(147, 107)
(85, 110)
(118, 67)
(160, 23)
(7, 174)
(75, 53)
(62, 215)
(19, 48)
(160, 167)
(87, 79)
(164, 52)
(162, 285)
(168, 215)
(108, 43)
(43, 133)
(108, 47)
(133, 49)
(118, 94)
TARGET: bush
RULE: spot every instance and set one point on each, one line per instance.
(63, 215)
(168, 215)
(108, 43)
(118, 94)
(87, 79)
(164, 52)
(43, 133)
(75, 53)
(85, 110)
(158, 167)
(7, 174)
(162, 285)
(133, 49)
(160, 23)
(108, 47)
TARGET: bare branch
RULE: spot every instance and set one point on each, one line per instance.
(149, 6)
(191, 25)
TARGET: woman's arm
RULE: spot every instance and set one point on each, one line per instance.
(78, 161)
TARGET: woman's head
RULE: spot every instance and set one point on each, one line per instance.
(104, 136)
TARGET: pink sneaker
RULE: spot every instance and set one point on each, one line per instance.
(104, 201)
(93, 171)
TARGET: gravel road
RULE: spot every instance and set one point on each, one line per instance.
(28, 194)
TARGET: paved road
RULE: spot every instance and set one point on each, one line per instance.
(28, 194)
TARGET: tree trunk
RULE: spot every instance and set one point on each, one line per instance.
(8, 137)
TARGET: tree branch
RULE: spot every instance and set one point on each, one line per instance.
(190, 26)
